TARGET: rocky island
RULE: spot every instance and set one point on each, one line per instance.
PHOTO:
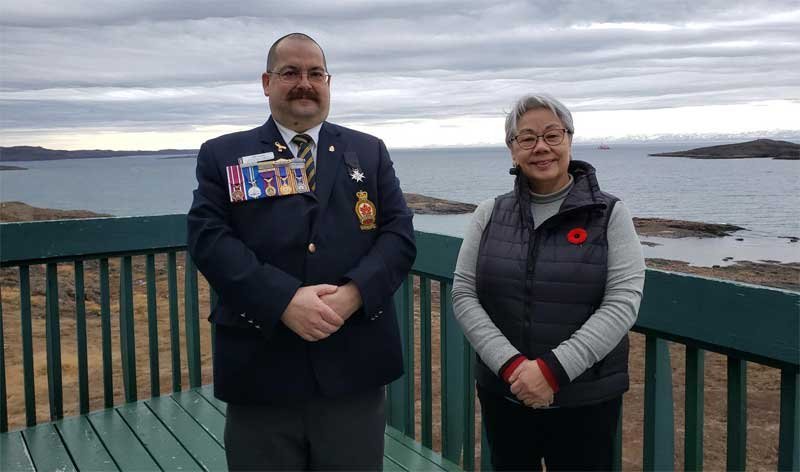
(424, 205)
(760, 148)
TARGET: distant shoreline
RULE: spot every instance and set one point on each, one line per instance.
(37, 153)
(729, 151)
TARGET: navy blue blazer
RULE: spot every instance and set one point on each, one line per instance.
(256, 254)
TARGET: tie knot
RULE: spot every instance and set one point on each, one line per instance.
(301, 139)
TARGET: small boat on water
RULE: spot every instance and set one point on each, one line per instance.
(603, 146)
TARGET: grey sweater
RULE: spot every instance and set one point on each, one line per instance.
(599, 334)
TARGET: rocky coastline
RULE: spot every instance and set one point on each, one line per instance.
(767, 273)
(660, 227)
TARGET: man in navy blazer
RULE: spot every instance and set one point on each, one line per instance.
(306, 332)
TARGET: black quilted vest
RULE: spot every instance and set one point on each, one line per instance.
(539, 288)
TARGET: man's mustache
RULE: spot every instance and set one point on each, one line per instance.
(299, 94)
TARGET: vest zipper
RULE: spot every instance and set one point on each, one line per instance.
(533, 247)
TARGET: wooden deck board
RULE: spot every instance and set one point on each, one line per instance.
(204, 413)
(46, 449)
(127, 450)
(203, 447)
(84, 445)
(165, 449)
(14, 453)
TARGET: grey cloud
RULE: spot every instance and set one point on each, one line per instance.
(158, 65)
(45, 13)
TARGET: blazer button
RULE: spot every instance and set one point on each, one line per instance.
(312, 248)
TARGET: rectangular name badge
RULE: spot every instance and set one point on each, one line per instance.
(253, 159)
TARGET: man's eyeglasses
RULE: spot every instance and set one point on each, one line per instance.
(293, 76)
(553, 137)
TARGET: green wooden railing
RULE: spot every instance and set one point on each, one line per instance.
(746, 323)
(96, 242)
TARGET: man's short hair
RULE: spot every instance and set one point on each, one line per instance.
(272, 54)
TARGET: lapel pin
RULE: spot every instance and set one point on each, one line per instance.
(280, 146)
(331, 149)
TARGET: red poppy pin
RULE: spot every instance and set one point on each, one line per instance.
(577, 236)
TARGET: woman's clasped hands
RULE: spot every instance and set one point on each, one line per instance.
(530, 386)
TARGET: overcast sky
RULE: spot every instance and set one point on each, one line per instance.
(145, 74)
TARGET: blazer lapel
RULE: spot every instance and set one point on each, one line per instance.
(272, 141)
(330, 160)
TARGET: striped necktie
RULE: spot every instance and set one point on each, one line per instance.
(303, 142)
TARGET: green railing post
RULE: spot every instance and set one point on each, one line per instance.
(152, 325)
(737, 414)
(191, 325)
(401, 391)
(27, 344)
(408, 359)
(425, 370)
(105, 328)
(80, 322)
(127, 339)
(659, 426)
(452, 345)
(53, 342)
(693, 436)
(174, 330)
(468, 362)
(396, 392)
(789, 439)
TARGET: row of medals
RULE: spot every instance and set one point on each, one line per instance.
(285, 187)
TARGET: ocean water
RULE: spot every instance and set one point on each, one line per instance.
(761, 195)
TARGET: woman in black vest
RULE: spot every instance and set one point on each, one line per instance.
(548, 283)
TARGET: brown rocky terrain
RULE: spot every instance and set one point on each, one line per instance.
(12, 212)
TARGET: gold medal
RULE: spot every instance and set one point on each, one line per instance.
(365, 211)
(285, 188)
(268, 187)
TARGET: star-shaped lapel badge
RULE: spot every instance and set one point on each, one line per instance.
(357, 175)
